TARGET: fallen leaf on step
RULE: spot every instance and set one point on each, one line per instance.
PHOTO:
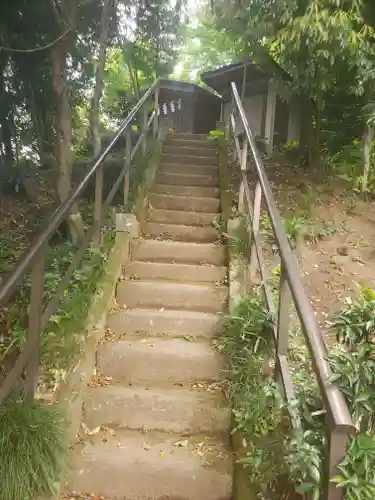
(94, 431)
(181, 444)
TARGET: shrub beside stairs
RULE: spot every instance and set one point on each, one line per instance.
(163, 404)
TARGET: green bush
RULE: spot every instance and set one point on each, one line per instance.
(257, 406)
(32, 450)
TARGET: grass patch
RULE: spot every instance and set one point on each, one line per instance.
(32, 450)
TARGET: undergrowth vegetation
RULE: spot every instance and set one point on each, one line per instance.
(33, 450)
(280, 461)
(32, 435)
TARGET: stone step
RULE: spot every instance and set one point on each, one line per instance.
(175, 272)
(201, 219)
(189, 324)
(186, 203)
(180, 252)
(154, 361)
(182, 159)
(175, 168)
(179, 232)
(188, 137)
(170, 410)
(136, 466)
(189, 150)
(186, 179)
(187, 191)
(159, 294)
(193, 143)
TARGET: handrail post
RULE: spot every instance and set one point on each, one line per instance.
(283, 320)
(35, 318)
(241, 194)
(128, 150)
(156, 118)
(144, 127)
(336, 449)
(98, 204)
(255, 224)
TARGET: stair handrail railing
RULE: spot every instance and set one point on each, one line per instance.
(33, 259)
(338, 419)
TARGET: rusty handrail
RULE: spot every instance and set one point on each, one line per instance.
(339, 418)
(33, 259)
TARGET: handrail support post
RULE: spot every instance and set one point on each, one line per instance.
(35, 319)
(144, 128)
(128, 150)
(155, 126)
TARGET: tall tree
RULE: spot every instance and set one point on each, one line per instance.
(99, 78)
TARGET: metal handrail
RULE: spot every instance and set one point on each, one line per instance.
(339, 418)
(33, 259)
(9, 284)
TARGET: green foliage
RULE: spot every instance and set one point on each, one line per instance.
(355, 323)
(257, 406)
(33, 449)
(352, 364)
(215, 135)
(304, 459)
(291, 149)
(357, 471)
(347, 165)
(354, 372)
(293, 226)
(248, 329)
(239, 241)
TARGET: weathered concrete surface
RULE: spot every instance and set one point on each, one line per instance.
(179, 252)
(153, 322)
(139, 466)
(174, 361)
(178, 232)
(157, 429)
(184, 273)
(157, 294)
(164, 409)
(194, 191)
(182, 202)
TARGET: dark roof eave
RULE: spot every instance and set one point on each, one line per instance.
(208, 76)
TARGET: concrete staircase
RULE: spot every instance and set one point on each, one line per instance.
(164, 420)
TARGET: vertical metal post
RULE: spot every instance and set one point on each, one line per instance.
(156, 119)
(35, 318)
(336, 449)
(98, 205)
(255, 224)
(144, 127)
(128, 150)
(243, 89)
(241, 195)
(283, 321)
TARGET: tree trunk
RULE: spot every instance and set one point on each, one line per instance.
(133, 78)
(6, 134)
(63, 126)
(310, 135)
(99, 80)
(368, 134)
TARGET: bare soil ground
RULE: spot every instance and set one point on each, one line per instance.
(341, 257)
